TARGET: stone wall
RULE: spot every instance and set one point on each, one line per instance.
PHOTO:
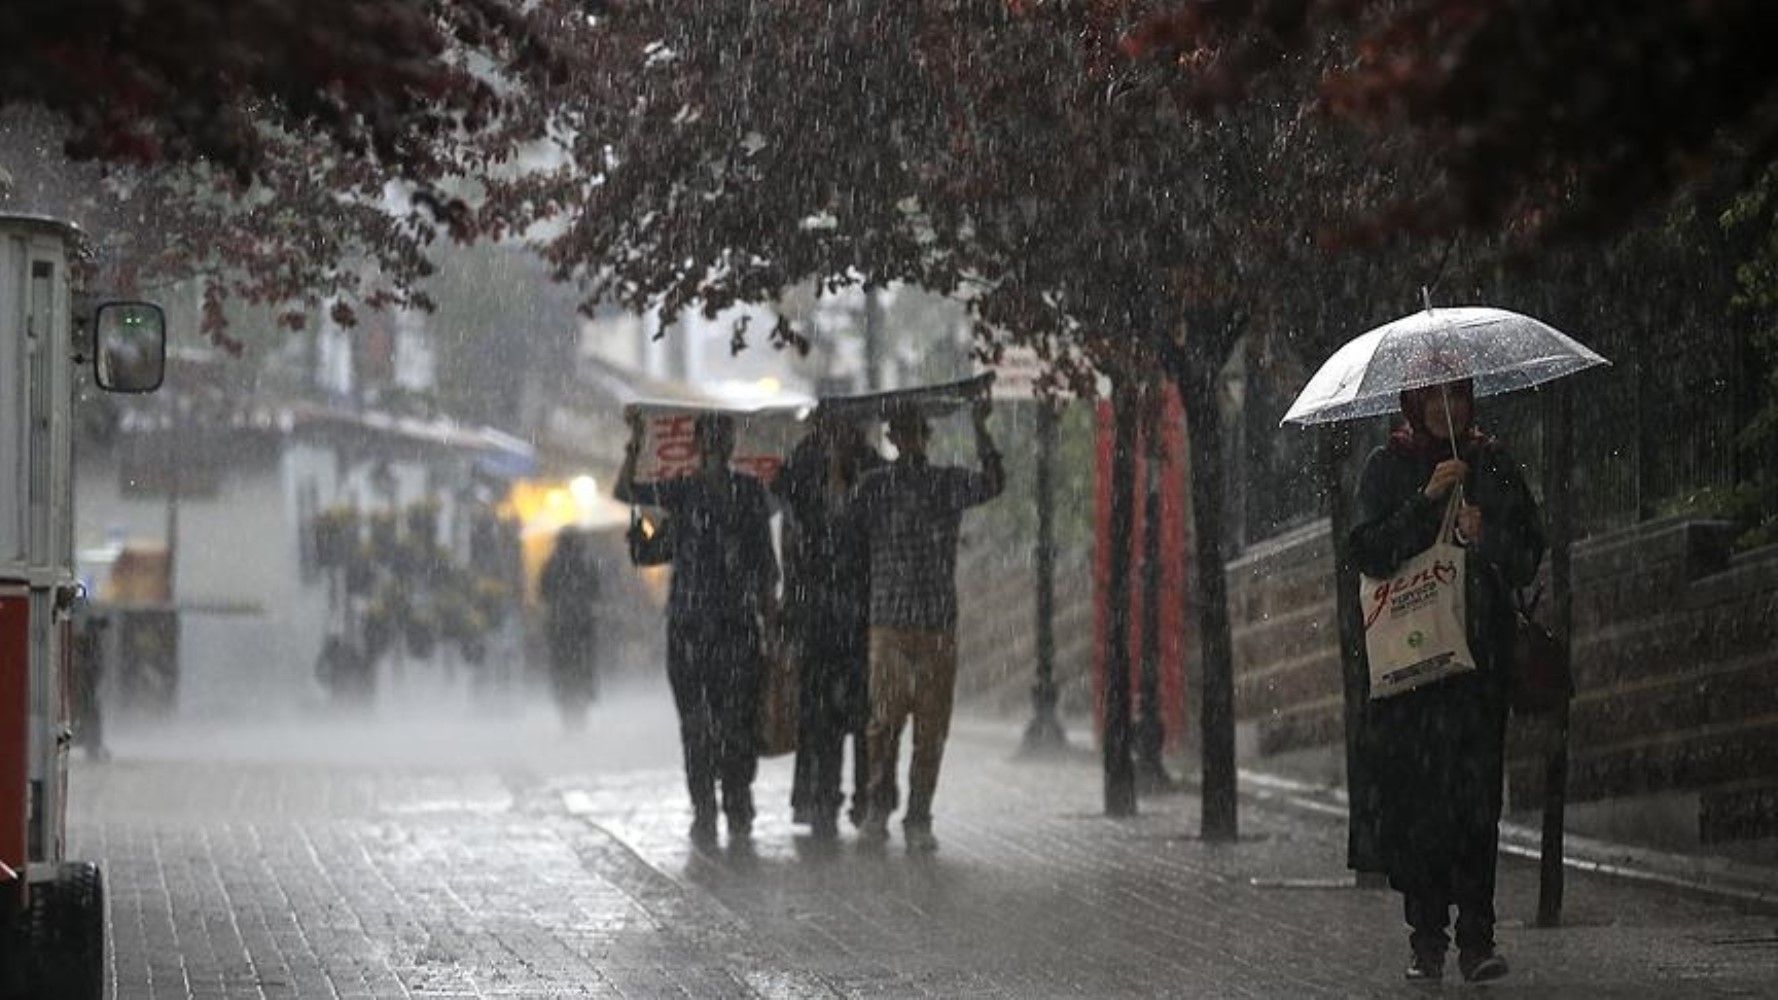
(1676, 661)
(996, 638)
(1287, 663)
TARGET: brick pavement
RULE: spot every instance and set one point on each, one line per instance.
(501, 860)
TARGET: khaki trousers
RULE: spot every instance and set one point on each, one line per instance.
(912, 672)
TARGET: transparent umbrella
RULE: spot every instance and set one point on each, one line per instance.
(1500, 350)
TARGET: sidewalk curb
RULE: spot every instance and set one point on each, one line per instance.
(1752, 888)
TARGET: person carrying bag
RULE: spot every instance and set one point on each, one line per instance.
(1444, 527)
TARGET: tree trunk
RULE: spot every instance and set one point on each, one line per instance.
(1197, 389)
(1362, 853)
(1120, 771)
(1151, 733)
(1559, 514)
(1044, 733)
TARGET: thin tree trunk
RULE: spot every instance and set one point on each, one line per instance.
(1120, 771)
(1361, 814)
(1151, 732)
(1044, 733)
(1197, 389)
(1558, 512)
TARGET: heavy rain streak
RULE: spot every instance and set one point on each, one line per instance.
(528, 499)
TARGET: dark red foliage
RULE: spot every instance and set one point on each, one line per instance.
(270, 142)
(189, 79)
(1550, 115)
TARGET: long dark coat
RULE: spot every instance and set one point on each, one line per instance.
(1436, 754)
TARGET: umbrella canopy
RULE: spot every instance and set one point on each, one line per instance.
(932, 400)
(1501, 350)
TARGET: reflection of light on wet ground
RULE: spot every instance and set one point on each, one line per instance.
(480, 807)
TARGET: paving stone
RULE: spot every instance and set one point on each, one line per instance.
(495, 858)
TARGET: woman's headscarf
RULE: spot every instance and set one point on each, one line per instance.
(1413, 438)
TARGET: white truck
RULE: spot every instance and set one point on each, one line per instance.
(52, 909)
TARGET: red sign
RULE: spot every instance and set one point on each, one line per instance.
(763, 439)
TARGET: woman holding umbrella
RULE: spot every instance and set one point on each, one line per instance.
(1437, 752)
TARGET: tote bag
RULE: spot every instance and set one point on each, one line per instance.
(1542, 675)
(1415, 622)
(778, 697)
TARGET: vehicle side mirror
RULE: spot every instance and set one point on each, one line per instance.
(130, 346)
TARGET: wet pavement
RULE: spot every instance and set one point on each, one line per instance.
(484, 854)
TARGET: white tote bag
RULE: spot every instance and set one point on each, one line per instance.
(1415, 622)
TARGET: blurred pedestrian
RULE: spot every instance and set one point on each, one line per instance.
(827, 611)
(912, 511)
(722, 597)
(1436, 753)
(87, 713)
(570, 588)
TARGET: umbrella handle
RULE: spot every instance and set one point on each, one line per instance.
(1450, 427)
(1447, 531)
(1451, 434)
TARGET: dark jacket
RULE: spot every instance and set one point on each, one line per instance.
(723, 561)
(1436, 754)
(827, 557)
(570, 586)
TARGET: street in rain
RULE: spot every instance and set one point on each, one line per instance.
(1007, 499)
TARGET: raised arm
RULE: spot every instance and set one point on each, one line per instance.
(626, 489)
(980, 487)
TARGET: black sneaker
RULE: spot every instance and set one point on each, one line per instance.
(1426, 967)
(825, 826)
(1481, 967)
(703, 831)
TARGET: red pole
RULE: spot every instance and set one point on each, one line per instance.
(15, 723)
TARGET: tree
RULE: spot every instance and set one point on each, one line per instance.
(380, 81)
(302, 154)
(1007, 152)
(1547, 118)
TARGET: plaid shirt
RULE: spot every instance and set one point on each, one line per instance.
(912, 513)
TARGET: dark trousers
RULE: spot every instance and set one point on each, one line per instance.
(833, 704)
(1427, 906)
(1438, 764)
(820, 766)
(713, 666)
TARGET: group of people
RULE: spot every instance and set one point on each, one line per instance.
(868, 611)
